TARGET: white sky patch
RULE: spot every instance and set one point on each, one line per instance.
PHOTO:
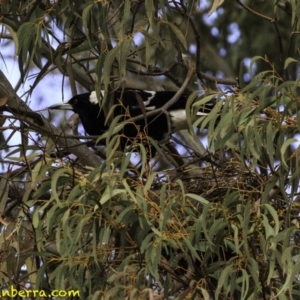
(138, 38)
(220, 10)
(235, 33)
(247, 63)
(193, 48)
(113, 43)
(219, 74)
(215, 31)
(59, 34)
(223, 52)
(160, 12)
(247, 77)
(210, 19)
(204, 4)
(296, 144)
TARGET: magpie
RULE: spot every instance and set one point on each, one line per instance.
(129, 104)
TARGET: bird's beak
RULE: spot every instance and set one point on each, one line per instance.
(62, 105)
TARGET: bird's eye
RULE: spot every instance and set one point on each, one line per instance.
(75, 101)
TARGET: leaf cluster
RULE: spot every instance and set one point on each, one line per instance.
(218, 223)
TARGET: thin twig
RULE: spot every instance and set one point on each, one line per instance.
(173, 100)
(255, 12)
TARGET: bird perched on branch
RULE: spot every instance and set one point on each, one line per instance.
(131, 103)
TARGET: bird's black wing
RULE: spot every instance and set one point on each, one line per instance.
(149, 99)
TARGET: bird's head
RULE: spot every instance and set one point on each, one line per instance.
(87, 107)
(78, 103)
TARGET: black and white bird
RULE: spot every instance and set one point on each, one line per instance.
(128, 105)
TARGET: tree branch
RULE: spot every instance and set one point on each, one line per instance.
(17, 106)
(173, 100)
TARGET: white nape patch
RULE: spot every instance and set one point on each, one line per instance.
(93, 97)
(178, 119)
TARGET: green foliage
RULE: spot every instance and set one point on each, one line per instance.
(222, 224)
